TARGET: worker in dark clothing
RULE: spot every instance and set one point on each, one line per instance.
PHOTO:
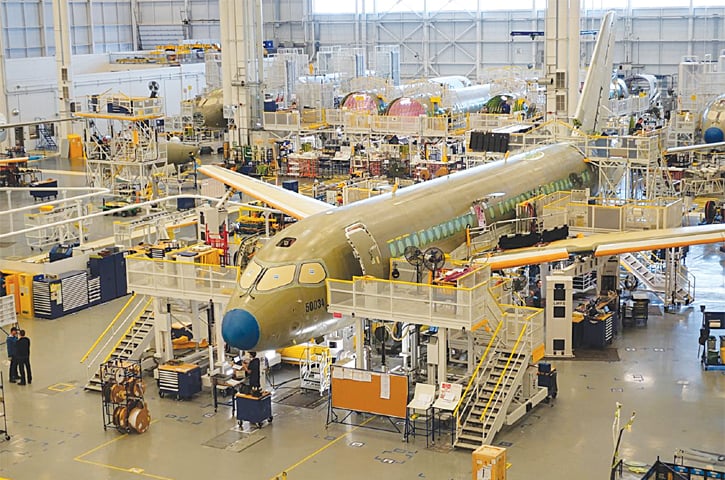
(253, 370)
(11, 343)
(22, 353)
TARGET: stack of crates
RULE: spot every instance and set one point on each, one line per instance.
(489, 463)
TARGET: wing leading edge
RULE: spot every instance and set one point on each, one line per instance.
(287, 201)
(606, 244)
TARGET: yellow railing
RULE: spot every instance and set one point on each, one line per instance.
(478, 367)
(131, 325)
(503, 373)
(108, 328)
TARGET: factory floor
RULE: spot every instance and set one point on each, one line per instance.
(57, 431)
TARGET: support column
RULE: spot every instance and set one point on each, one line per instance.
(219, 340)
(241, 35)
(471, 364)
(442, 355)
(3, 91)
(561, 58)
(196, 327)
(162, 331)
(61, 28)
(359, 343)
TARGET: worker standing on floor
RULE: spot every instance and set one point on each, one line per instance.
(253, 373)
(22, 353)
(11, 343)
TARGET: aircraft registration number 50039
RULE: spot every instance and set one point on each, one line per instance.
(315, 305)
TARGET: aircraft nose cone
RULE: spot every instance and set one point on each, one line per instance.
(240, 329)
(713, 135)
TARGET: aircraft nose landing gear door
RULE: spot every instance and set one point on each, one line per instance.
(366, 250)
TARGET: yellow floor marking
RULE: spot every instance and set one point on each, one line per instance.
(283, 473)
(135, 470)
(61, 387)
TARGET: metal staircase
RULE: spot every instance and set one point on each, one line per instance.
(133, 336)
(315, 369)
(669, 280)
(489, 403)
(47, 142)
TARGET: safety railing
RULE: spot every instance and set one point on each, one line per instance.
(694, 187)
(506, 375)
(130, 335)
(133, 308)
(393, 124)
(131, 299)
(167, 278)
(440, 306)
(470, 393)
(356, 122)
(286, 121)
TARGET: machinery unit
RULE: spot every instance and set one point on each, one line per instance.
(559, 315)
(213, 217)
(60, 251)
(712, 358)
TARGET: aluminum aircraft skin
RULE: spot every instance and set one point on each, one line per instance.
(281, 295)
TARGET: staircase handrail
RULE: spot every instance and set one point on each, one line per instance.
(655, 267)
(686, 279)
(691, 284)
(108, 328)
(474, 376)
(503, 373)
(133, 314)
(128, 330)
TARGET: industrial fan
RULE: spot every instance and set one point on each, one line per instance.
(154, 89)
(414, 256)
(434, 259)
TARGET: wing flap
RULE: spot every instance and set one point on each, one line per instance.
(292, 203)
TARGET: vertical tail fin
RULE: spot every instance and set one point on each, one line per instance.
(595, 92)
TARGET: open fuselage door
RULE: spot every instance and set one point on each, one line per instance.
(365, 249)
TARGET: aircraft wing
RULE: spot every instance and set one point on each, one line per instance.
(691, 148)
(605, 244)
(287, 201)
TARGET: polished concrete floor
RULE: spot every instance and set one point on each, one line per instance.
(57, 431)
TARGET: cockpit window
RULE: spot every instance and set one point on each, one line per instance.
(276, 277)
(312, 273)
(250, 274)
(286, 242)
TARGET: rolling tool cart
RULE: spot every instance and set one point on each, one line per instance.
(253, 409)
(180, 380)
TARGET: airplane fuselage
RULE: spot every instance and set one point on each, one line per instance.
(281, 297)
